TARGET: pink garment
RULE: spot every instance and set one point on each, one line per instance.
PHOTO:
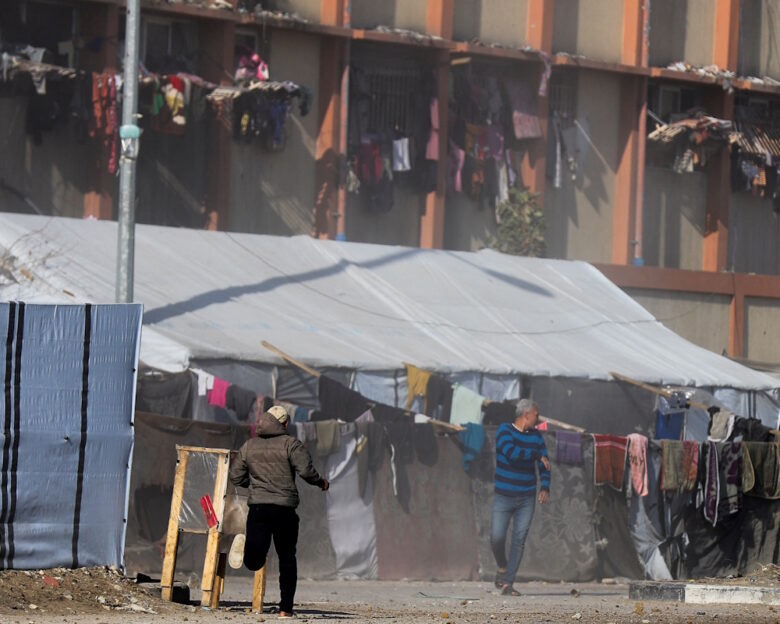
(542, 426)
(457, 158)
(217, 395)
(637, 458)
(432, 149)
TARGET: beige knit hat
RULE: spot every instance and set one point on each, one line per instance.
(278, 412)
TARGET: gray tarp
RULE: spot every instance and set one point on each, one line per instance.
(67, 435)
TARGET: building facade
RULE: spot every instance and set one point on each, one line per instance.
(420, 108)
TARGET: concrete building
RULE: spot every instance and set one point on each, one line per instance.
(696, 249)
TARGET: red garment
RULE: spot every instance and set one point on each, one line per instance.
(370, 164)
(637, 457)
(217, 394)
(432, 148)
(177, 83)
(610, 459)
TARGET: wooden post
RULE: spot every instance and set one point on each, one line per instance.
(219, 581)
(258, 590)
(209, 584)
(172, 540)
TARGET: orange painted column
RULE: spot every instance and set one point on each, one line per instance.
(539, 35)
(217, 40)
(101, 21)
(439, 21)
(629, 177)
(724, 54)
(330, 207)
(330, 152)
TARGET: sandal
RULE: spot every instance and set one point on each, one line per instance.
(499, 580)
(508, 590)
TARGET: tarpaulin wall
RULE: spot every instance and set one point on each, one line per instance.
(67, 402)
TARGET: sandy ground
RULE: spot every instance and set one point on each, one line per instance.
(354, 602)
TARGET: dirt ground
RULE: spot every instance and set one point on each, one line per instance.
(99, 596)
(765, 576)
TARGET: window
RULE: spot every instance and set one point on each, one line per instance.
(563, 97)
(49, 26)
(169, 46)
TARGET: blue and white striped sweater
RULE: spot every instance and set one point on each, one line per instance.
(517, 456)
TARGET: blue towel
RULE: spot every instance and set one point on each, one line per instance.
(669, 426)
(473, 439)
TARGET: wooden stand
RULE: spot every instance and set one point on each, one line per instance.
(215, 564)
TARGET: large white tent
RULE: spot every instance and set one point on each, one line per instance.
(361, 307)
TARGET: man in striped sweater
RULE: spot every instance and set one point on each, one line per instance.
(520, 449)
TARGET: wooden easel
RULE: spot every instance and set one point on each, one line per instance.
(215, 564)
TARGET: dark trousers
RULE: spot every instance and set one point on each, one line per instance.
(280, 523)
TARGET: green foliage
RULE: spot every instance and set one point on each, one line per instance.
(520, 225)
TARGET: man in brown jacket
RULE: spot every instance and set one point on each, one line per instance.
(267, 465)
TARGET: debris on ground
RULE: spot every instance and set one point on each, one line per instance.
(81, 591)
(764, 576)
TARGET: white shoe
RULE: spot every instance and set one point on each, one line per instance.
(236, 556)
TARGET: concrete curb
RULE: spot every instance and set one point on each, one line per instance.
(696, 593)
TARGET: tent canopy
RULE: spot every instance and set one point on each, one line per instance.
(358, 306)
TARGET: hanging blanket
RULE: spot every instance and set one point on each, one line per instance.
(680, 465)
(763, 459)
(568, 447)
(610, 461)
(637, 457)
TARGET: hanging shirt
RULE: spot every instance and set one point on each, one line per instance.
(518, 455)
(466, 406)
(401, 155)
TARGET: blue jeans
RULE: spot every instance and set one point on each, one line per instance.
(506, 508)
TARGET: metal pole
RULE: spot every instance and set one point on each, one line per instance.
(129, 135)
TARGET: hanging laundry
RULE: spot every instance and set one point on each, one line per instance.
(399, 436)
(438, 402)
(568, 447)
(350, 518)
(525, 120)
(328, 437)
(455, 169)
(426, 447)
(401, 160)
(432, 147)
(371, 450)
(338, 401)
(680, 466)
(610, 459)
(711, 483)
(637, 457)
(306, 432)
(721, 426)
(466, 406)
(241, 401)
(218, 392)
(301, 414)
(472, 438)
(730, 468)
(669, 425)
(764, 459)
(751, 430)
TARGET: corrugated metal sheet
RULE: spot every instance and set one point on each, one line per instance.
(756, 140)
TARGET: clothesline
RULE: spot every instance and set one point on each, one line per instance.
(315, 373)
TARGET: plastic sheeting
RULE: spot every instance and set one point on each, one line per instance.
(67, 415)
(360, 306)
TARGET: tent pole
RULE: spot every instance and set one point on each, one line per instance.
(291, 360)
(655, 390)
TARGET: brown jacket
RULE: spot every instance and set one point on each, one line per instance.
(268, 463)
